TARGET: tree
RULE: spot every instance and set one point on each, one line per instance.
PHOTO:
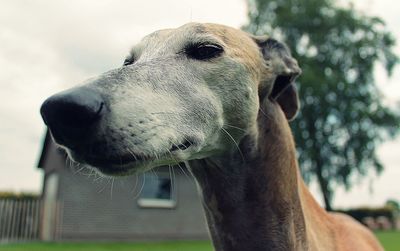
(393, 204)
(342, 118)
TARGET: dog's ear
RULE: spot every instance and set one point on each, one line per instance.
(284, 69)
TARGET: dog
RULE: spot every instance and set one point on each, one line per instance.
(219, 100)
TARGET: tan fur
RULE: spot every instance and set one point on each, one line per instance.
(235, 41)
(324, 231)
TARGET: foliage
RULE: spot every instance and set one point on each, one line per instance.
(18, 196)
(363, 212)
(393, 204)
(342, 119)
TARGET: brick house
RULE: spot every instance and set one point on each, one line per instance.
(79, 206)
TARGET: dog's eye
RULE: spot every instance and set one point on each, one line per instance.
(128, 61)
(204, 51)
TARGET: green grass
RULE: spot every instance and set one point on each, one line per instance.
(389, 239)
(118, 246)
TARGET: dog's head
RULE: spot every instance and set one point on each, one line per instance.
(181, 94)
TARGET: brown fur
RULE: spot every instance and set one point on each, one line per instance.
(261, 201)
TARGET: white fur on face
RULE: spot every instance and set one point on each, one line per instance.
(165, 100)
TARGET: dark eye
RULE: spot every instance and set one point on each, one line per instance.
(204, 51)
(129, 61)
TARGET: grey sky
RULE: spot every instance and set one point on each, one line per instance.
(47, 46)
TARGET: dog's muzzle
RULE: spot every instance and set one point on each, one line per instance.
(73, 115)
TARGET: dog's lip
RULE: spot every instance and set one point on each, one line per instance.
(114, 170)
(124, 163)
(114, 161)
(112, 166)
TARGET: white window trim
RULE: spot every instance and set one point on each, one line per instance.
(157, 203)
(161, 203)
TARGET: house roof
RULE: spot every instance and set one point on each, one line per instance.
(45, 147)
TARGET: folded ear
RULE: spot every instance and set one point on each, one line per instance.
(285, 70)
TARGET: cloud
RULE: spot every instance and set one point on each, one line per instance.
(47, 46)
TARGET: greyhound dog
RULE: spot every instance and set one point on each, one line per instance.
(219, 100)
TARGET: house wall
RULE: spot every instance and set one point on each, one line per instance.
(92, 208)
(49, 208)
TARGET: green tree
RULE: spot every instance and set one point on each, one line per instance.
(342, 118)
(393, 204)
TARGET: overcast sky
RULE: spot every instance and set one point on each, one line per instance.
(47, 46)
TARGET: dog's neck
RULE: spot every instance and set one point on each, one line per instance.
(252, 196)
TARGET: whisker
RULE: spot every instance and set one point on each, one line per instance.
(163, 113)
(264, 113)
(136, 182)
(131, 152)
(92, 172)
(174, 184)
(154, 172)
(282, 91)
(183, 171)
(66, 159)
(88, 172)
(142, 186)
(237, 146)
(71, 164)
(172, 177)
(78, 171)
(183, 136)
(155, 154)
(241, 129)
(102, 189)
(177, 163)
(99, 177)
(112, 186)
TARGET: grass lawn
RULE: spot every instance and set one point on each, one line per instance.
(107, 246)
(389, 239)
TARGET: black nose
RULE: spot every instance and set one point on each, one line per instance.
(72, 114)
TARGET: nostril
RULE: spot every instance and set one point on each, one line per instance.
(185, 145)
(78, 115)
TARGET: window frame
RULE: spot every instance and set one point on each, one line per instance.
(156, 202)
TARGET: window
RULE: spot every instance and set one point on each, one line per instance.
(158, 191)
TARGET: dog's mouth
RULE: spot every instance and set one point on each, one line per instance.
(114, 161)
(130, 162)
(115, 165)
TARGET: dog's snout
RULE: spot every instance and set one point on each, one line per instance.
(71, 113)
